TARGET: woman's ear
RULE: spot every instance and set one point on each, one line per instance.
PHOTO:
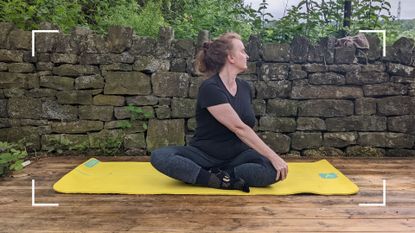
(230, 58)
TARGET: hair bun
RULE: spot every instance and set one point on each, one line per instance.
(206, 45)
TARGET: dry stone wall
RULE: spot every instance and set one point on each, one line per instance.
(76, 93)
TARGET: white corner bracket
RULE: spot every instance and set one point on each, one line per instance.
(378, 204)
(384, 38)
(39, 204)
(33, 37)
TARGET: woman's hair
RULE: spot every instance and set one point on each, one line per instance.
(212, 56)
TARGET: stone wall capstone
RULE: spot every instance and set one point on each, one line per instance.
(84, 90)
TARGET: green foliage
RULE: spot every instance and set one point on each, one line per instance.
(317, 19)
(111, 145)
(216, 16)
(311, 18)
(137, 113)
(11, 156)
(145, 20)
(29, 14)
(62, 144)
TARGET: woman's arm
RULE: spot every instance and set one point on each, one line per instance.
(226, 115)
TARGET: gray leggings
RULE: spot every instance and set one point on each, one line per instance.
(184, 163)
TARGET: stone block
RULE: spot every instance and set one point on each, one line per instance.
(388, 140)
(339, 139)
(142, 100)
(183, 48)
(57, 82)
(52, 110)
(3, 108)
(306, 91)
(19, 39)
(315, 68)
(345, 55)
(398, 70)
(44, 66)
(117, 67)
(5, 29)
(164, 133)
(365, 106)
(75, 70)
(273, 89)
(64, 58)
(163, 112)
(21, 67)
(119, 38)
(400, 153)
(259, 107)
(142, 45)
(91, 112)
(394, 105)
(276, 52)
(23, 107)
(81, 126)
(323, 152)
(402, 124)
(274, 72)
(282, 107)
(127, 83)
(178, 65)
(359, 78)
(299, 49)
(74, 97)
(145, 112)
(364, 151)
(310, 124)
(11, 55)
(385, 89)
(277, 124)
(28, 134)
(169, 84)
(195, 83)
(356, 123)
(279, 143)
(89, 82)
(106, 140)
(325, 108)
(149, 64)
(302, 140)
(326, 78)
(183, 108)
(111, 100)
(191, 124)
(297, 74)
(134, 141)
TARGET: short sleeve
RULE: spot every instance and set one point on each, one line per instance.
(211, 95)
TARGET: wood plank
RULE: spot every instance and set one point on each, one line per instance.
(190, 213)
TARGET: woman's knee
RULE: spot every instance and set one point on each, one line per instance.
(159, 156)
(257, 175)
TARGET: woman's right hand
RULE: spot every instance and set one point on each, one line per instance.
(280, 166)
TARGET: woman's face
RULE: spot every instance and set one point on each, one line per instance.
(238, 55)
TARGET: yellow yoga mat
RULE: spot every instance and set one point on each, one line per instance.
(94, 176)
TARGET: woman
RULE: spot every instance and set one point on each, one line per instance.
(225, 152)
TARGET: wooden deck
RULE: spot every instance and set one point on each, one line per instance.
(191, 213)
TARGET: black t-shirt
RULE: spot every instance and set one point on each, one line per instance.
(211, 136)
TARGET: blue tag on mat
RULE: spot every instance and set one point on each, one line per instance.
(91, 163)
(328, 175)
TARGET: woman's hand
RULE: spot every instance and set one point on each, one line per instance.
(280, 166)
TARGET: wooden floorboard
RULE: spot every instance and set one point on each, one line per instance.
(202, 213)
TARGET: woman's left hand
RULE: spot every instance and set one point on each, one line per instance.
(280, 166)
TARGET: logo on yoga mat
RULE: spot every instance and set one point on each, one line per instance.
(91, 163)
(328, 175)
